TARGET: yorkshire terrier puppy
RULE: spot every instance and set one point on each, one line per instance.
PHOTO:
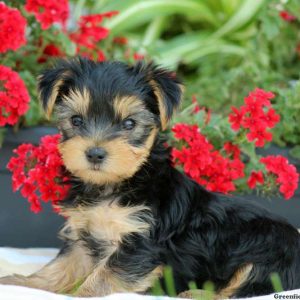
(130, 212)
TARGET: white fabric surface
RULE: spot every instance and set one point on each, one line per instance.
(27, 261)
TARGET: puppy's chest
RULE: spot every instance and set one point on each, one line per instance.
(107, 223)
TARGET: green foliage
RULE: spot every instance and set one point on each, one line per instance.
(206, 293)
(287, 103)
(221, 49)
(169, 281)
(176, 32)
(276, 283)
(2, 132)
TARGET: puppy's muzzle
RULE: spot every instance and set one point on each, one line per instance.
(96, 155)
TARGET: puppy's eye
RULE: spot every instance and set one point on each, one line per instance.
(77, 121)
(128, 124)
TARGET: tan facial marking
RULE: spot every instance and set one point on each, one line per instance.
(78, 101)
(239, 277)
(53, 96)
(126, 106)
(162, 108)
(164, 119)
(123, 160)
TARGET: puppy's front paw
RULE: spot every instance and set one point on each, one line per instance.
(85, 292)
(97, 289)
(13, 280)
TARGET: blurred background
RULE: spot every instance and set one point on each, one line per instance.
(221, 49)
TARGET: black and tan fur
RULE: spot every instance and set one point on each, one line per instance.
(129, 212)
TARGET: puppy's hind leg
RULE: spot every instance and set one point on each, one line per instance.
(61, 275)
(239, 279)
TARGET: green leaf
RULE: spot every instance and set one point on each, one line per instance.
(270, 26)
(246, 12)
(68, 46)
(173, 51)
(214, 47)
(101, 6)
(154, 30)
(144, 11)
(295, 152)
(188, 48)
(157, 289)
(169, 281)
(2, 132)
(276, 282)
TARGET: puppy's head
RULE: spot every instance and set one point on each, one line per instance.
(108, 113)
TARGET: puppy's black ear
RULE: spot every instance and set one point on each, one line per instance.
(49, 84)
(167, 89)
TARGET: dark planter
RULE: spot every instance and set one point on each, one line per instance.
(19, 227)
(289, 210)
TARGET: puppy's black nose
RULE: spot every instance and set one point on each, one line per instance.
(95, 155)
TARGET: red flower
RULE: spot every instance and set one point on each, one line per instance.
(137, 56)
(254, 178)
(203, 163)
(39, 173)
(120, 40)
(252, 123)
(90, 30)
(232, 149)
(100, 56)
(259, 135)
(286, 16)
(197, 109)
(14, 98)
(271, 118)
(253, 107)
(287, 175)
(12, 28)
(48, 12)
(195, 102)
(256, 116)
(89, 33)
(50, 50)
(261, 96)
(236, 118)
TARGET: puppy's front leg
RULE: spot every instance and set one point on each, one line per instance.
(127, 270)
(71, 265)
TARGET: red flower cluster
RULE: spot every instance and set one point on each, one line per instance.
(286, 16)
(48, 12)
(12, 28)
(232, 150)
(38, 171)
(287, 175)
(14, 98)
(205, 164)
(90, 32)
(254, 178)
(50, 51)
(255, 116)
